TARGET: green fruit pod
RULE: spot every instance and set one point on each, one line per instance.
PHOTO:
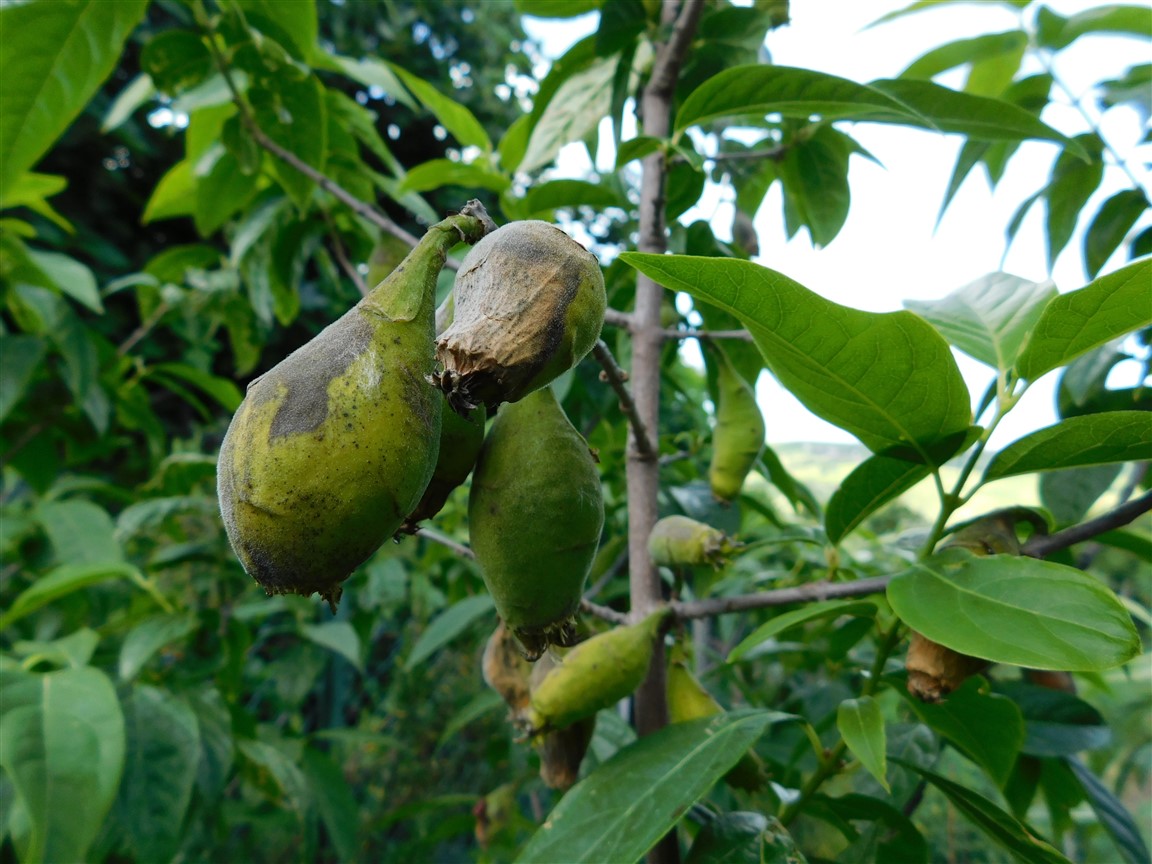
(535, 513)
(738, 439)
(333, 446)
(677, 541)
(561, 751)
(529, 305)
(595, 674)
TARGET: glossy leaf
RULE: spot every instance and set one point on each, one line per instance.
(618, 812)
(1092, 439)
(460, 122)
(872, 484)
(1005, 830)
(1113, 816)
(741, 837)
(779, 623)
(986, 727)
(62, 745)
(888, 378)
(571, 193)
(573, 111)
(437, 173)
(1110, 226)
(988, 319)
(1016, 610)
(1075, 323)
(62, 56)
(163, 751)
(861, 724)
(447, 626)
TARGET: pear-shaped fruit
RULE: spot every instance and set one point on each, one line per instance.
(561, 751)
(595, 674)
(738, 438)
(333, 446)
(529, 306)
(677, 541)
(535, 513)
(688, 700)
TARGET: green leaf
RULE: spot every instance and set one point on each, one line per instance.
(1016, 610)
(813, 611)
(62, 56)
(1001, 827)
(223, 191)
(62, 581)
(556, 8)
(985, 727)
(483, 703)
(163, 753)
(292, 22)
(80, 532)
(176, 60)
(861, 724)
(32, 191)
(964, 51)
(452, 114)
(1055, 31)
(294, 116)
(637, 148)
(62, 746)
(1056, 723)
(1112, 813)
(338, 807)
(571, 193)
(1072, 183)
(1092, 439)
(20, 357)
(174, 195)
(744, 838)
(138, 91)
(279, 777)
(70, 276)
(373, 73)
(977, 117)
(75, 649)
(1110, 226)
(437, 173)
(921, 5)
(339, 637)
(872, 484)
(574, 110)
(888, 378)
(814, 175)
(148, 637)
(988, 319)
(1076, 322)
(222, 390)
(447, 626)
(1070, 494)
(620, 810)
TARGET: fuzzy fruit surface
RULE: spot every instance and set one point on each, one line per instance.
(677, 541)
(738, 439)
(333, 446)
(535, 513)
(529, 305)
(594, 675)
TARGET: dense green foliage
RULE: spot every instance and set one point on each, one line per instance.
(160, 247)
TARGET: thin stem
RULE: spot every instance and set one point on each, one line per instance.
(615, 376)
(286, 156)
(1040, 546)
(610, 615)
(143, 330)
(447, 542)
(813, 592)
(342, 257)
(616, 318)
(741, 335)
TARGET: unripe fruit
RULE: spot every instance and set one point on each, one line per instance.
(333, 446)
(535, 513)
(461, 437)
(529, 306)
(595, 674)
(677, 541)
(688, 700)
(738, 439)
(561, 751)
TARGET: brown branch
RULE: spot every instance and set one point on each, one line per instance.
(616, 318)
(342, 257)
(604, 612)
(615, 376)
(361, 208)
(816, 591)
(741, 335)
(143, 330)
(1043, 545)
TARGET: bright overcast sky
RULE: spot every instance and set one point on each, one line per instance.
(888, 250)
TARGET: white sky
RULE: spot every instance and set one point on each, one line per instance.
(888, 250)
